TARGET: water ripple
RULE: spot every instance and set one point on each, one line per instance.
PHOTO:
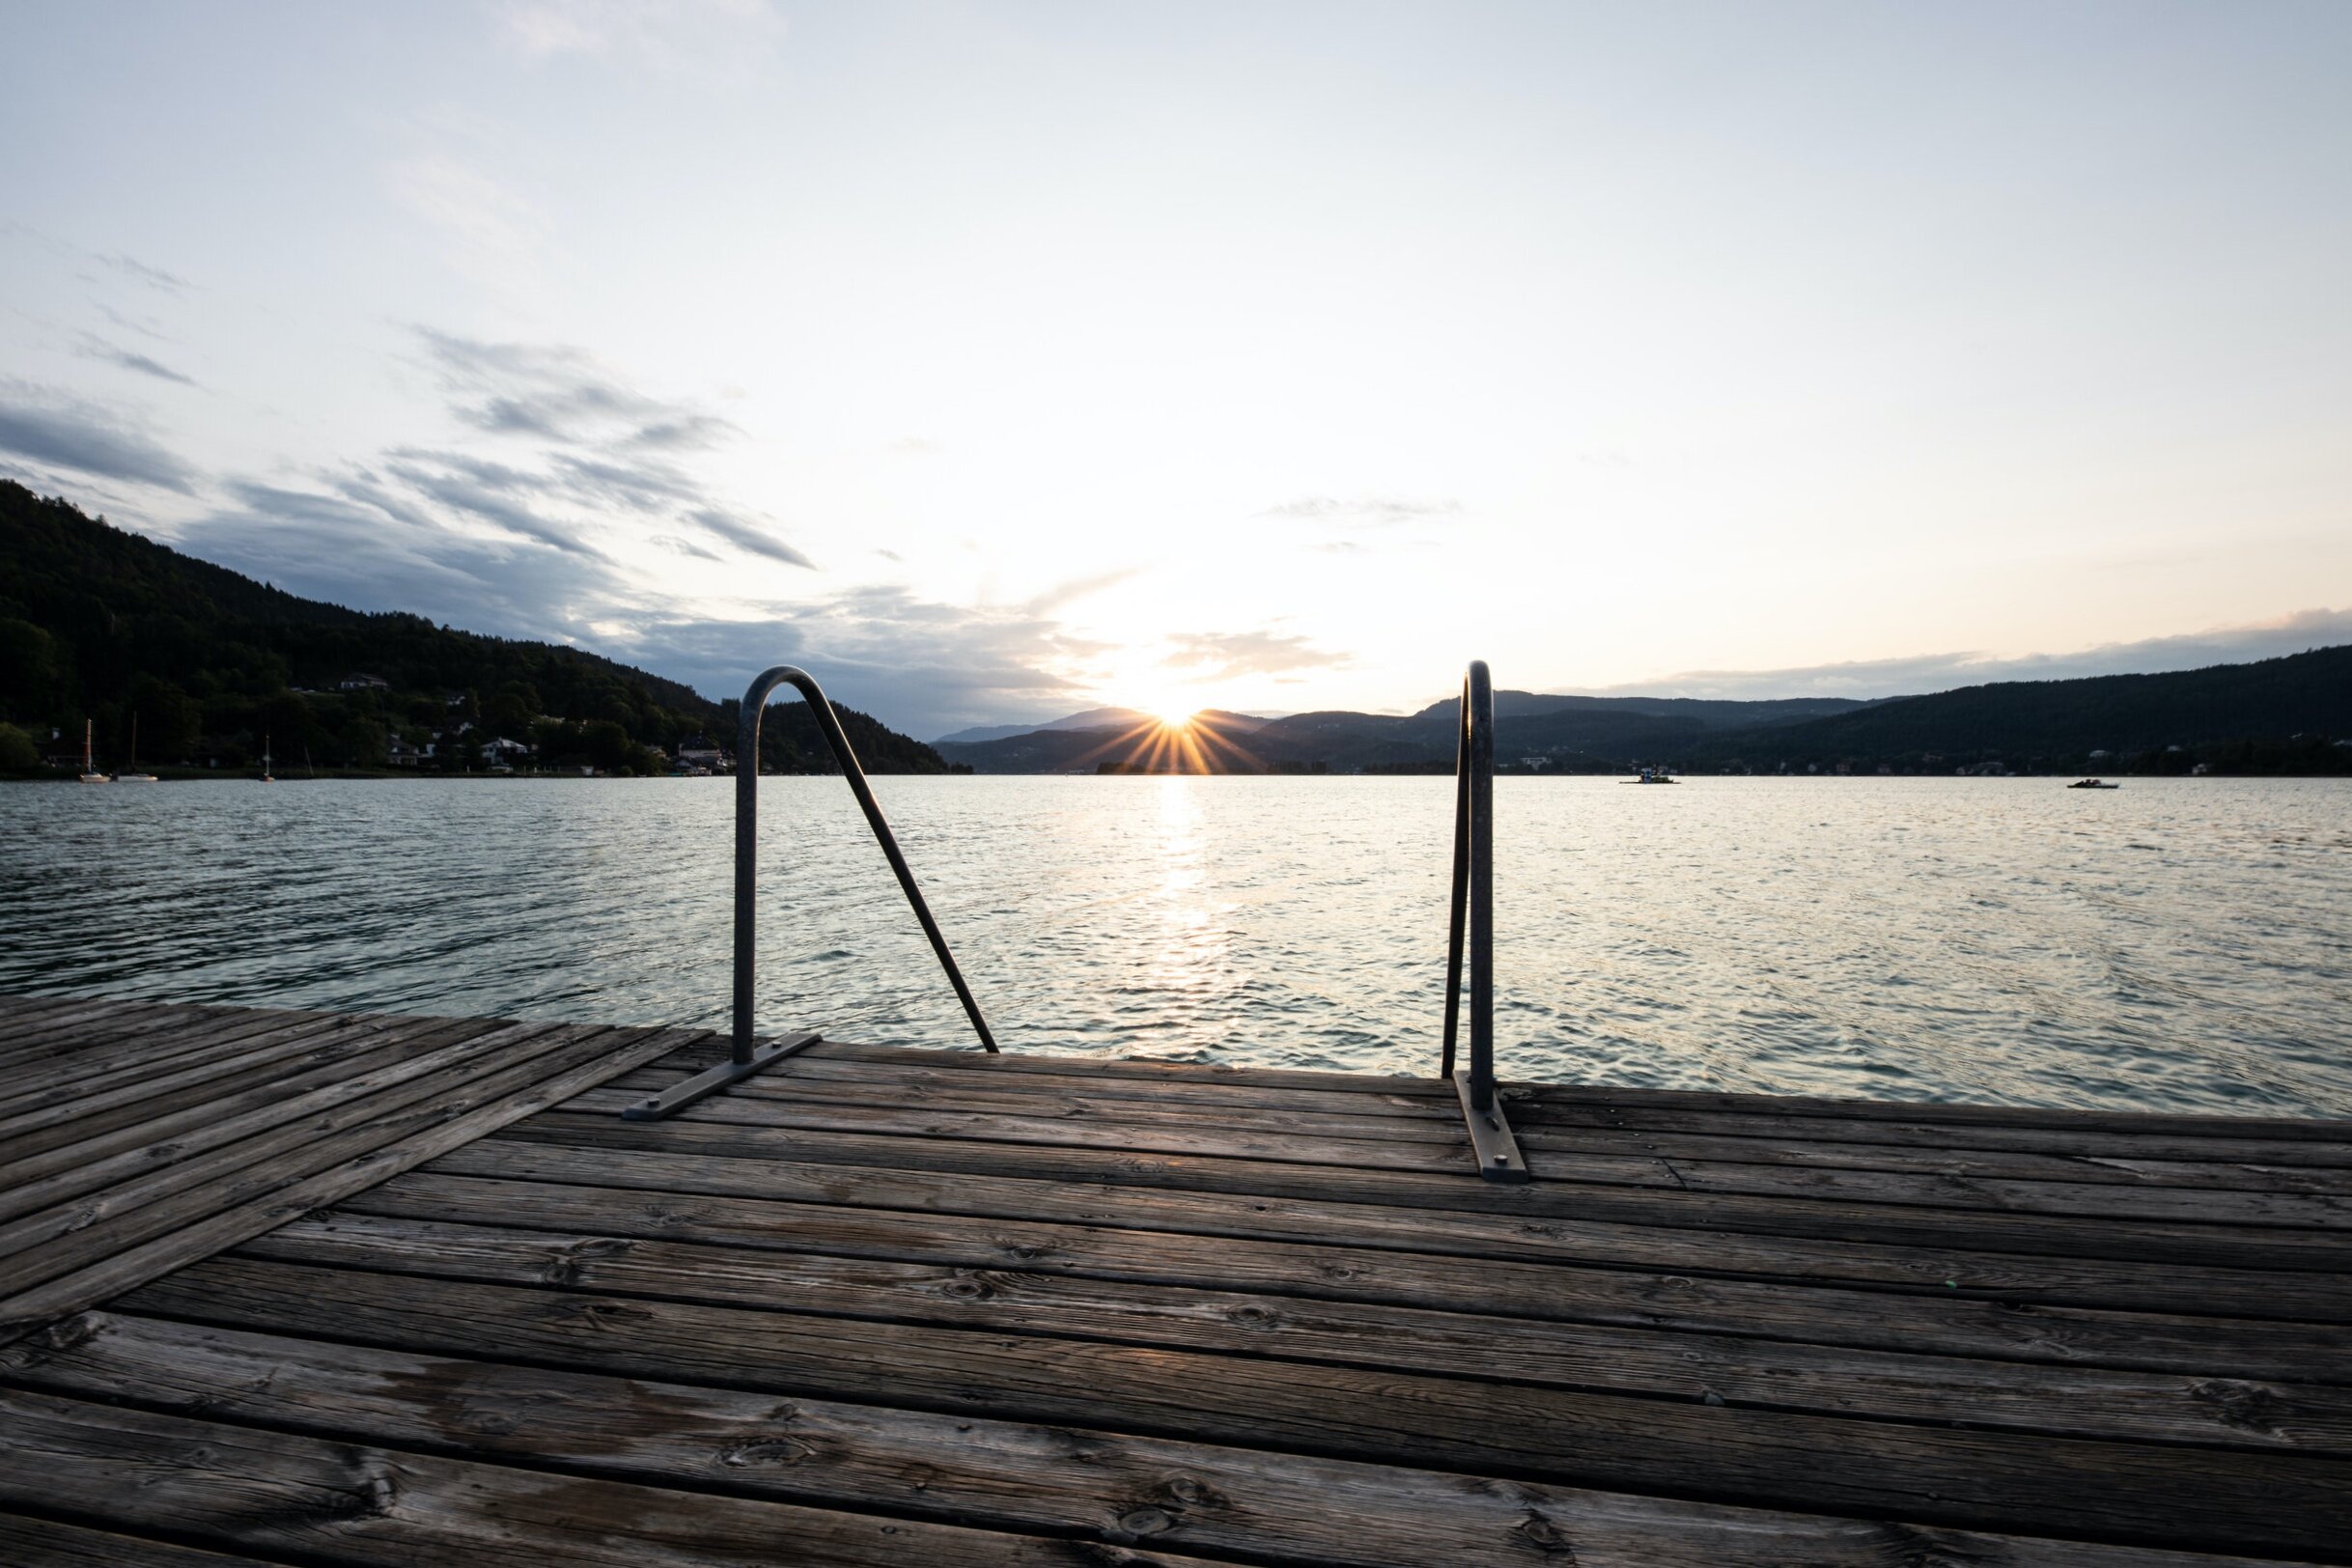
(2177, 944)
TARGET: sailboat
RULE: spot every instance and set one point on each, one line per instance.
(134, 776)
(266, 778)
(90, 773)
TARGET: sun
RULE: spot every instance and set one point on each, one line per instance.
(1169, 710)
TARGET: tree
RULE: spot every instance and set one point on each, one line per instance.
(170, 724)
(609, 747)
(29, 667)
(17, 753)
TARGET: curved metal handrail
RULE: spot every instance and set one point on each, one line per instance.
(1472, 905)
(748, 842)
(744, 1059)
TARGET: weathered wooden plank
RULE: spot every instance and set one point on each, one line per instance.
(748, 1269)
(70, 1235)
(111, 1053)
(1008, 1476)
(1172, 1138)
(260, 1131)
(2125, 1122)
(1138, 1067)
(601, 1055)
(96, 1021)
(1358, 1143)
(1146, 1102)
(2149, 1171)
(16, 1005)
(158, 1132)
(1548, 1161)
(129, 1083)
(2154, 1140)
(286, 1493)
(1804, 1314)
(1201, 1087)
(2207, 1499)
(1977, 1230)
(331, 1046)
(1157, 1103)
(1958, 1273)
(38, 1543)
(2320, 1130)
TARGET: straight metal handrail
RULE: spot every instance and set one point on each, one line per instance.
(743, 1057)
(1472, 907)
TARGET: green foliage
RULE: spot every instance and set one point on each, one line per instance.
(17, 753)
(101, 623)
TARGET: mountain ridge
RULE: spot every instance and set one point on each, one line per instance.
(2264, 715)
(99, 621)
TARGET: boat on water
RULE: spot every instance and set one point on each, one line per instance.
(2093, 784)
(90, 773)
(131, 774)
(267, 777)
(1652, 775)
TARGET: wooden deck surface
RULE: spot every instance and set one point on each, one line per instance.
(884, 1306)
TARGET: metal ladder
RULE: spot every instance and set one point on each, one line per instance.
(1473, 898)
(743, 1058)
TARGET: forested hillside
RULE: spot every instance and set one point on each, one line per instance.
(2280, 716)
(103, 624)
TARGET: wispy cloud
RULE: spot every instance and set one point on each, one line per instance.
(560, 393)
(1369, 511)
(362, 543)
(600, 443)
(1063, 594)
(51, 427)
(745, 535)
(1224, 654)
(1941, 672)
(664, 34)
(138, 271)
(94, 347)
(926, 667)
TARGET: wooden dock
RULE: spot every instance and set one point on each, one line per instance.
(320, 1289)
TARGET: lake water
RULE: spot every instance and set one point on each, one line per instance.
(2174, 944)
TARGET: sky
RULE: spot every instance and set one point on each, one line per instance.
(997, 360)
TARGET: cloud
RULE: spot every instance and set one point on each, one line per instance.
(51, 427)
(488, 491)
(155, 277)
(749, 537)
(555, 392)
(131, 323)
(1065, 594)
(93, 347)
(1374, 511)
(360, 542)
(601, 445)
(1222, 655)
(1941, 672)
(665, 35)
(510, 527)
(115, 261)
(922, 667)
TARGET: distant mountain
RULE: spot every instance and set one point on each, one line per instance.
(1214, 742)
(2272, 703)
(97, 622)
(1093, 718)
(2281, 715)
